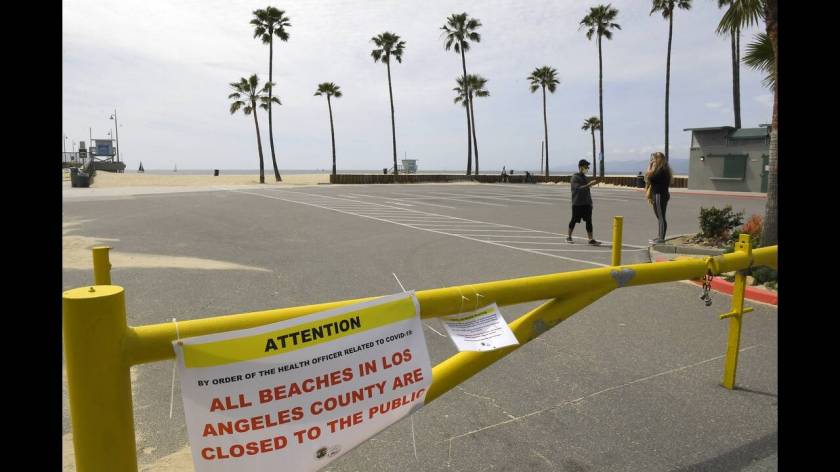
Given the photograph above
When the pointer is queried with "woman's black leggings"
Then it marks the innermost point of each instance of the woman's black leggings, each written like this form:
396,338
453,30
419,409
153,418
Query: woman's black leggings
660,204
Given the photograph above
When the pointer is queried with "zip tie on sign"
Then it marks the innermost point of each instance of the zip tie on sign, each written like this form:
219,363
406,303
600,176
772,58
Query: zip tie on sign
174,366
461,309
476,297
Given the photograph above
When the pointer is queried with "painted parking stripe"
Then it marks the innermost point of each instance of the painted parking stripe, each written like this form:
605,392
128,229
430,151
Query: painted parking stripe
447,198
414,214
391,198
507,198
286,198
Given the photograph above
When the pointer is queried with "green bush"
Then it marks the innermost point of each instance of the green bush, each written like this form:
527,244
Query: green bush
717,223
762,275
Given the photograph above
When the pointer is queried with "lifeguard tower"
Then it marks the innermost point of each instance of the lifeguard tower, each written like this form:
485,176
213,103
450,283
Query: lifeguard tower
409,166
103,155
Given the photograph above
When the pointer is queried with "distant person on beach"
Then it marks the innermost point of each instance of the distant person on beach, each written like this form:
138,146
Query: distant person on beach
582,202
504,174
658,179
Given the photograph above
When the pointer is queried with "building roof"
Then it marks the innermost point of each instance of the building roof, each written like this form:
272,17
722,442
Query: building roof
750,133
712,128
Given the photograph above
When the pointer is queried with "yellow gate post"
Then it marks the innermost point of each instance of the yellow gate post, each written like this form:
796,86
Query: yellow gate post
101,266
618,222
734,341
98,379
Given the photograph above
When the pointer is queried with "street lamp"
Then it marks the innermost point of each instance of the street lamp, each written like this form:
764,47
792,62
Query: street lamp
117,126
64,149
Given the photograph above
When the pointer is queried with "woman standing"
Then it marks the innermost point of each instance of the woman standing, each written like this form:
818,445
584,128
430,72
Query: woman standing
658,179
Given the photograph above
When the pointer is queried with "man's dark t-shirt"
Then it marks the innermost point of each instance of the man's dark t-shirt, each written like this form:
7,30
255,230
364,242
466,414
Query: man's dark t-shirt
580,196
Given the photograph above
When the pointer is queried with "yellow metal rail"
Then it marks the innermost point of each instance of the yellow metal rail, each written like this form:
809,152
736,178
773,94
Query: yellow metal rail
100,347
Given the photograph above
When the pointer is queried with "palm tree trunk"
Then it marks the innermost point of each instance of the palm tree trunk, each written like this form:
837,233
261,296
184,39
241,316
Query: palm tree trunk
259,142
736,82
270,106
332,132
769,234
393,126
601,102
594,166
469,138
668,78
545,126
469,106
475,139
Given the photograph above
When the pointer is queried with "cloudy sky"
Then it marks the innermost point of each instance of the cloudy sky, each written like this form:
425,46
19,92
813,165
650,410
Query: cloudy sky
166,67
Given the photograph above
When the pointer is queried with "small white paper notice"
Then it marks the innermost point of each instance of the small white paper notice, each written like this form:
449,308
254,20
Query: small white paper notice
479,330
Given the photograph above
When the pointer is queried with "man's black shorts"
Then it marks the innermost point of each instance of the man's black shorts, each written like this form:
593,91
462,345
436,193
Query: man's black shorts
581,212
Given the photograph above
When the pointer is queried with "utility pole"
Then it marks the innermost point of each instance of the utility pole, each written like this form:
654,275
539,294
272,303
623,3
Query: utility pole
117,126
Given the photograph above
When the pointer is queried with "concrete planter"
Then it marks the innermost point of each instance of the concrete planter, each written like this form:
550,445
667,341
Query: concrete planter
685,249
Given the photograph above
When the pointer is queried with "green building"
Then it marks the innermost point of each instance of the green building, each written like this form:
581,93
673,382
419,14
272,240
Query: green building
727,158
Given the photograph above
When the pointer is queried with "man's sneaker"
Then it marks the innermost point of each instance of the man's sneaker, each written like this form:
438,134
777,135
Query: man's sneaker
570,240
592,242
656,241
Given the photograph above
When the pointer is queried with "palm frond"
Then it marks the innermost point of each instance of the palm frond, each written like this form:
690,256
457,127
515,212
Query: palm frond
759,56
740,15
458,31
599,21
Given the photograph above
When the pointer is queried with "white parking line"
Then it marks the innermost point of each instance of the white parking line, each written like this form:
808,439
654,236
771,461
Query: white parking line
507,198
449,198
391,198
301,193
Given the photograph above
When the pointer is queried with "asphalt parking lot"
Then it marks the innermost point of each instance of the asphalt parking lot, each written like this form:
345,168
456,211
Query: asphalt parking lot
629,383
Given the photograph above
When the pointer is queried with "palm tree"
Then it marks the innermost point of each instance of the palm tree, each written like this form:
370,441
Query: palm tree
740,14
760,57
474,87
667,9
546,78
389,44
769,234
245,96
599,22
591,124
330,90
458,31
269,23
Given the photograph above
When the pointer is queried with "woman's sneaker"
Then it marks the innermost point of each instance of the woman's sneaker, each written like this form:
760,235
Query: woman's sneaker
570,240
656,241
592,242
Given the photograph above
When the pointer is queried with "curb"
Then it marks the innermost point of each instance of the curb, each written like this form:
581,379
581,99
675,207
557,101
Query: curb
674,249
750,293
723,286
666,248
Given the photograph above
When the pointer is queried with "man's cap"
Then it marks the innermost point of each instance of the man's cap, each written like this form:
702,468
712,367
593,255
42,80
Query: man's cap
583,163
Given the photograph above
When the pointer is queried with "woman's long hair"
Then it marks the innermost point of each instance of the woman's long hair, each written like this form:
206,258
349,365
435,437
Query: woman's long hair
658,164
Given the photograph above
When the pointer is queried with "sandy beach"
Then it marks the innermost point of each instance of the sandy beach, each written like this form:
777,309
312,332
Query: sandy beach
110,180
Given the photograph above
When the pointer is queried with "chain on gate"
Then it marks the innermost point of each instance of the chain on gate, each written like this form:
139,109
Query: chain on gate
706,295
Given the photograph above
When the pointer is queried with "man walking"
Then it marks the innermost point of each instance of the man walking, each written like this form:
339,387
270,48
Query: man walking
582,201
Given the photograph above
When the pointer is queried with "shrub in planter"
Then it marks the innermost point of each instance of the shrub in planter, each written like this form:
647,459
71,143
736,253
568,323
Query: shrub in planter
718,223
763,275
